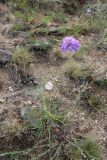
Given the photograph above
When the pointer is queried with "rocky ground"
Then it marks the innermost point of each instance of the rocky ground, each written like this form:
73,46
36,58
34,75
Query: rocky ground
16,101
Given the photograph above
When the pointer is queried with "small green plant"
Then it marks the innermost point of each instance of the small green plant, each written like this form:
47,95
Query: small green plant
59,17
102,83
82,149
42,48
51,17
78,29
12,128
31,38
92,101
43,31
85,49
71,6
22,4
96,24
77,70
91,150
46,19
15,156
21,57
20,15
51,130
97,21
44,45
101,41
18,27
65,31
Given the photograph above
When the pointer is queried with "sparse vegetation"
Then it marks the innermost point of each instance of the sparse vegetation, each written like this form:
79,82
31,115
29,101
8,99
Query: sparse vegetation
50,125
102,83
12,127
18,27
53,84
77,70
21,57
85,49
102,43
71,6
92,101
58,17
85,149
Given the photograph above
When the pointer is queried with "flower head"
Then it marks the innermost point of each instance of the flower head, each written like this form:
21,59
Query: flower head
70,44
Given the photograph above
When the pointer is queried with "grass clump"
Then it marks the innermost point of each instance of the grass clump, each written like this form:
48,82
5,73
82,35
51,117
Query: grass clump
20,67
102,83
21,57
90,149
46,20
57,17
92,101
85,49
22,4
44,31
78,29
18,27
97,24
71,6
101,41
43,45
97,20
28,16
41,48
77,70
83,149
12,127
20,15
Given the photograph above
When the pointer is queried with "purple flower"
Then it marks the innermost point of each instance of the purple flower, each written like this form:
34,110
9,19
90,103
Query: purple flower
70,44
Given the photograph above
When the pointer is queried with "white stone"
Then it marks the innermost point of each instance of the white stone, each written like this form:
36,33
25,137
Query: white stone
88,10
2,100
49,86
10,89
29,102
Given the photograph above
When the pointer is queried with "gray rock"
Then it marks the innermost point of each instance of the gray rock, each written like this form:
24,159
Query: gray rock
5,57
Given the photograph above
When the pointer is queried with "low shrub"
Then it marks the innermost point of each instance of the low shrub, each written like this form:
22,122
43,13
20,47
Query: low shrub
92,101
83,149
77,70
72,6
21,57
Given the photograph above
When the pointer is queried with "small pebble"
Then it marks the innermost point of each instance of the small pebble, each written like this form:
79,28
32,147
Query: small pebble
29,102
10,89
49,86
2,100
